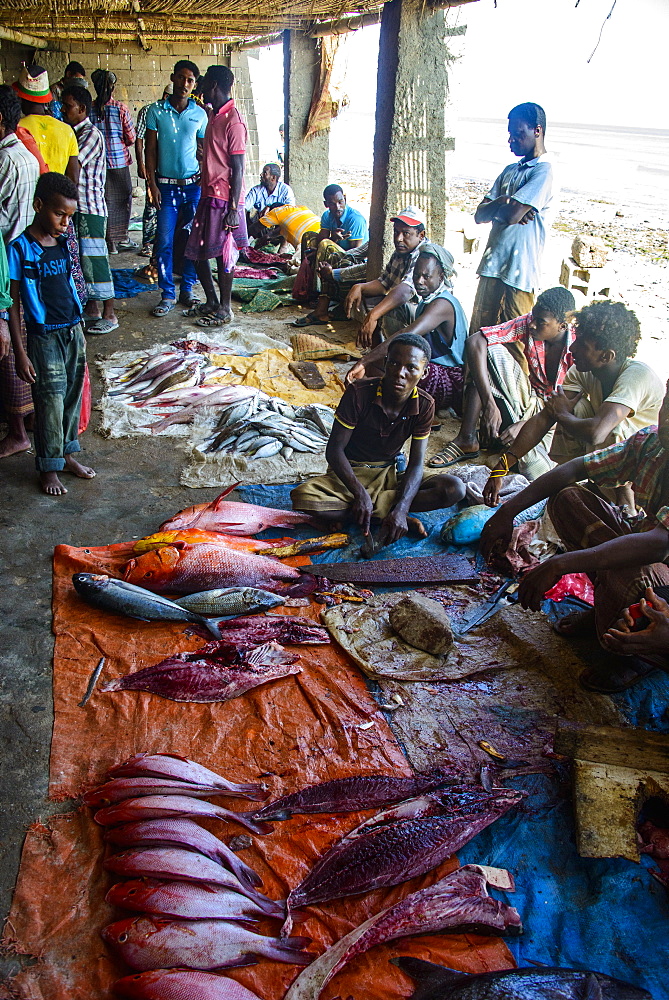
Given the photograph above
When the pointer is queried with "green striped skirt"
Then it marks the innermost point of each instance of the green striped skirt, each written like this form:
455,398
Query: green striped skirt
91,230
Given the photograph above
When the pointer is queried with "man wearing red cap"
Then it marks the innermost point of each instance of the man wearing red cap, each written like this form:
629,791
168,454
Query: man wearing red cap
56,141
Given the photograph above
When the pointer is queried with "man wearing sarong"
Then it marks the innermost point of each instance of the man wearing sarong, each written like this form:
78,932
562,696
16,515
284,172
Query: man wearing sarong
440,320
90,220
515,367
622,560
605,398
343,229
19,172
373,421
388,302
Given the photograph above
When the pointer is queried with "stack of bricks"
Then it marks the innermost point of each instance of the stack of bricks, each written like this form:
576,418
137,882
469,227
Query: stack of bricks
586,271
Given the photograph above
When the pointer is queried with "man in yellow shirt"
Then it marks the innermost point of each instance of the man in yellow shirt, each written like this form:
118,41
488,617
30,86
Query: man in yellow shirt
290,222
56,141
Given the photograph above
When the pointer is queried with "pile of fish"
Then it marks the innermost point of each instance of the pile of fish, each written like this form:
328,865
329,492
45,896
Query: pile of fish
194,897
261,429
249,655
170,377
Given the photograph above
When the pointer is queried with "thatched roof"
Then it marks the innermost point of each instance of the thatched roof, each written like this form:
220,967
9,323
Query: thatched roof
170,20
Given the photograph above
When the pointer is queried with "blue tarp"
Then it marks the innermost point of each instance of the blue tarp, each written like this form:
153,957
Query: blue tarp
126,285
608,915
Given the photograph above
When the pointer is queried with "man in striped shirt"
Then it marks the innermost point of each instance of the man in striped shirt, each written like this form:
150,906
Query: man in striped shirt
90,220
623,560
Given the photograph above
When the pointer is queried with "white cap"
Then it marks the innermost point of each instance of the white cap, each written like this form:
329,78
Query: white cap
410,216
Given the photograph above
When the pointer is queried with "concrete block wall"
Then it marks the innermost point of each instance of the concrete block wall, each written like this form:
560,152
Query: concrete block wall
142,75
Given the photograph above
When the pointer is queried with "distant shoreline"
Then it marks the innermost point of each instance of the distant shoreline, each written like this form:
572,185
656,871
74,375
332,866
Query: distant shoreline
577,125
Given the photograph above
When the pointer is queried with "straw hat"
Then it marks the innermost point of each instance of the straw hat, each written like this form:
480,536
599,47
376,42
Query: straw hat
33,85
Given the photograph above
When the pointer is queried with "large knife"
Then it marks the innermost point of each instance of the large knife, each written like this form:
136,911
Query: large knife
486,610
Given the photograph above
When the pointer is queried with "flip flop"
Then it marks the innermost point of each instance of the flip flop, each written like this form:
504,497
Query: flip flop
125,246
190,303
101,326
197,309
310,320
451,455
207,321
164,307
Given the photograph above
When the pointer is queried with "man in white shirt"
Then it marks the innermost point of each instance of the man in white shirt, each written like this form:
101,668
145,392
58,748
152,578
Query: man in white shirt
270,192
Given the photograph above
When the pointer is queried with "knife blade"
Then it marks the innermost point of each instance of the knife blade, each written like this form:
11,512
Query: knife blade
489,608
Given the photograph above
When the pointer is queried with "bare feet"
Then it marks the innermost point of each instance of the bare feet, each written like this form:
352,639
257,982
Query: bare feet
11,445
576,624
77,469
51,484
416,528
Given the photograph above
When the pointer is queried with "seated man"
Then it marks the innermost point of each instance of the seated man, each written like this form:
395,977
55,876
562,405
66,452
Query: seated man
441,320
342,229
515,367
605,398
270,192
389,300
621,561
374,419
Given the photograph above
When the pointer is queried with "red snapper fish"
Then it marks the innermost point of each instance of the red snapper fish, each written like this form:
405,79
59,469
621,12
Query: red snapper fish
185,569
150,943
181,984
195,535
187,901
234,518
166,806
172,765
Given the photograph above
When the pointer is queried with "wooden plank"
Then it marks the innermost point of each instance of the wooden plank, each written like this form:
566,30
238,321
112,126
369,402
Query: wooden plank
631,748
448,568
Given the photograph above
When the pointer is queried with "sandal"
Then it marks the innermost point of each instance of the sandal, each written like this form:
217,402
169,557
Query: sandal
214,320
190,303
197,309
615,676
101,326
146,251
452,454
127,246
310,320
164,307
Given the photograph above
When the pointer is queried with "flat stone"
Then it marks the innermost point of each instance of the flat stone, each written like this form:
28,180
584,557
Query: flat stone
422,623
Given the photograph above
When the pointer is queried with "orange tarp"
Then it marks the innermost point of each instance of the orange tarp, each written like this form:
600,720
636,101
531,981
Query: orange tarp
291,732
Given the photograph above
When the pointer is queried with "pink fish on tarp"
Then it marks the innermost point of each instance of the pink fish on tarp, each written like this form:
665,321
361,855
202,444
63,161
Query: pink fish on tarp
172,765
234,518
150,943
180,984
457,904
184,568
187,901
130,788
224,674
175,863
181,833
164,806
288,630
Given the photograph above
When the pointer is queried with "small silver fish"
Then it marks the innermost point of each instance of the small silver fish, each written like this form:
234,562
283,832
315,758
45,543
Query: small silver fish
268,450
230,602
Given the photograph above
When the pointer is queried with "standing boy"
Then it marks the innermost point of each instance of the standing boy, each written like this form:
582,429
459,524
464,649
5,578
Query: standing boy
221,208
175,129
517,204
90,220
40,270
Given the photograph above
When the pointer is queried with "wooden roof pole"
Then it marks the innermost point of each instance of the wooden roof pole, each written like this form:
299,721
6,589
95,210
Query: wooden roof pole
31,41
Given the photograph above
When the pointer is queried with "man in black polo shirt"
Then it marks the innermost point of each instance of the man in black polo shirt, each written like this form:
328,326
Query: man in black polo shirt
374,419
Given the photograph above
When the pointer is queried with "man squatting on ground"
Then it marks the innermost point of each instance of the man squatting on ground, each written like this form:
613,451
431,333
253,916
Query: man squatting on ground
517,205
220,209
606,397
373,420
175,129
40,271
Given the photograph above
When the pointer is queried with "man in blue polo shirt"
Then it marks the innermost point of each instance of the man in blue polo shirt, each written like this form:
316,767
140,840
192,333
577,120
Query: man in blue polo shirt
175,129
517,205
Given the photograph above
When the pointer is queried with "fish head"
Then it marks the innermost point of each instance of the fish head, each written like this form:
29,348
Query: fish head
133,929
87,583
141,985
134,893
154,568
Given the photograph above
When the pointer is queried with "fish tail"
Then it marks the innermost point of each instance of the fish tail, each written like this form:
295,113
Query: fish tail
212,625
289,950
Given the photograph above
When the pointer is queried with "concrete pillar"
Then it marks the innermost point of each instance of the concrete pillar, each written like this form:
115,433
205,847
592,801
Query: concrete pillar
307,164
243,95
410,140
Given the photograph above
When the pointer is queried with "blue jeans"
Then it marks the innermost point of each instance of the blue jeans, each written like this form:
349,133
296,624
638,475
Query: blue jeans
59,360
177,203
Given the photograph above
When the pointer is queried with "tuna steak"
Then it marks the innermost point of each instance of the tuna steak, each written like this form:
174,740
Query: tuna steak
186,900
394,852
234,518
181,833
439,983
129,788
350,794
150,943
163,806
181,984
184,866
193,677
457,903
171,765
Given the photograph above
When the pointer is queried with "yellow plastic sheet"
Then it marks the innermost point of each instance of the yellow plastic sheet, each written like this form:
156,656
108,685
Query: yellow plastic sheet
268,371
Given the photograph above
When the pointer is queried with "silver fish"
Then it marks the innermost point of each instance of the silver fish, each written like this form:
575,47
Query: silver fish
260,442
124,598
230,602
267,450
287,452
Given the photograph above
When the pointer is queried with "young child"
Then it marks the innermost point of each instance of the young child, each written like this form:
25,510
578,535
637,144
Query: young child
40,272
